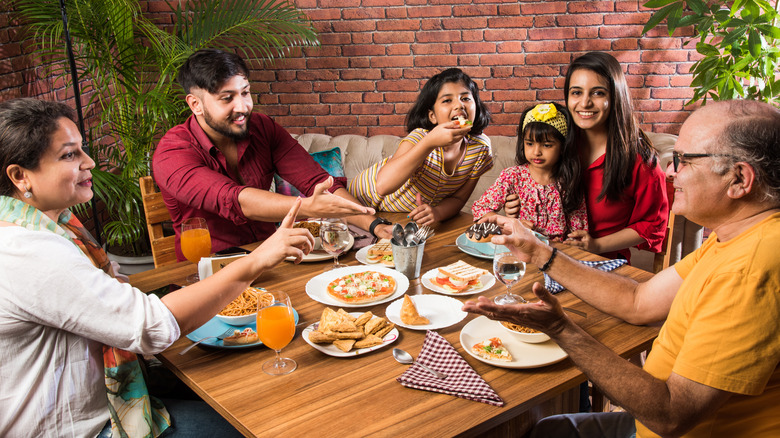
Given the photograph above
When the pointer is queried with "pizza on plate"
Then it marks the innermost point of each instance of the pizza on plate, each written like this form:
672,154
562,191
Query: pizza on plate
362,287
492,349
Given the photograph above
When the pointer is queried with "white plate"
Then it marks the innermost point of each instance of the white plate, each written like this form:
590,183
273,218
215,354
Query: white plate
441,311
316,288
487,282
362,257
320,255
331,350
485,250
524,355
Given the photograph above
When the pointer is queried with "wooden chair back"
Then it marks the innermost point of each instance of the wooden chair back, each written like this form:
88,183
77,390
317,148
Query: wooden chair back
163,247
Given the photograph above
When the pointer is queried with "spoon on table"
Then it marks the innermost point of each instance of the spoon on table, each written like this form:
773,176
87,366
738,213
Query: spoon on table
407,359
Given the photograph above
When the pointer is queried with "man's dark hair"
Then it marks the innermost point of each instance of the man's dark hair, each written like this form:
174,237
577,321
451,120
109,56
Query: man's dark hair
26,128
209,69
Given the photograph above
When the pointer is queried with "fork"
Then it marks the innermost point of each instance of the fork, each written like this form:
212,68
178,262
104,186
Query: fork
227,333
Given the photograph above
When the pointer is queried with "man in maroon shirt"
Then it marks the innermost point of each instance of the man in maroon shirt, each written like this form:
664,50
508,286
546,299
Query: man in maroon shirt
219,164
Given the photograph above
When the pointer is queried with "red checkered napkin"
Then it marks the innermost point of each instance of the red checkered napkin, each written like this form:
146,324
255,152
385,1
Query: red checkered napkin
462,381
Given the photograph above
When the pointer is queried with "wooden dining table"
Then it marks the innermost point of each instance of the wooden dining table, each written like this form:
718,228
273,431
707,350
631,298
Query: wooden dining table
358,395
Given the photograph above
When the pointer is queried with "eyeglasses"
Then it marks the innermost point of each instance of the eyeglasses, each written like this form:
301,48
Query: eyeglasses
677,157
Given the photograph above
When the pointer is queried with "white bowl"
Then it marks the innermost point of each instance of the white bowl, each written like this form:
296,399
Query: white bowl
531,338
238,321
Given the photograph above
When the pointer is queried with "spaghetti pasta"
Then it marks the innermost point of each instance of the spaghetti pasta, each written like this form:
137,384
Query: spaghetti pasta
247,302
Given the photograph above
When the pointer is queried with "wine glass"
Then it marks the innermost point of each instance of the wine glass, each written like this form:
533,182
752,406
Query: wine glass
195,242
508,269
334,234
275,328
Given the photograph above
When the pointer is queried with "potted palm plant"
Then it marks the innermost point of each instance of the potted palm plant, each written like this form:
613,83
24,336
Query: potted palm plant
127,65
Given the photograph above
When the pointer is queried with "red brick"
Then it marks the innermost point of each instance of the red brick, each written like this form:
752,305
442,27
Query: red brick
640,18
547,58
399,49
551,34
363,13
340,120
364,50
398,25
587,32
670,56
654,68
627,5
505,34
647,105
380,3
468,60
317,75
510,47
635,81
327,63
672,105
537,83
580,20
363,38
465,23
590,6
509,9
395,97
501,72
502,59
543,46
620,31
396,13
338,4
305,110
507,84
322,51
539,70
430,49
542,8
393,37
429,11
436,60
368,120
391,61
324,14
373,97
461,48
438,37
680,80
291,87
371,108
339,109
363,62
550,96
545,21
341,97
473,35
474,10
672,93
431,24
586,45
355,86
398,85
354,26
625,44
323,87
510,22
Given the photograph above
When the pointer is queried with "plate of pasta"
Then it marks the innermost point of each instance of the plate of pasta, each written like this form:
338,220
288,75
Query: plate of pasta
243,310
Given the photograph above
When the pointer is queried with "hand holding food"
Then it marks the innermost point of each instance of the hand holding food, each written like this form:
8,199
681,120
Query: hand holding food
482,232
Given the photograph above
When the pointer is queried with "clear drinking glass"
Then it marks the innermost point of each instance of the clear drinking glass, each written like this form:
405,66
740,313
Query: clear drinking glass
195,242
275,328
508,269
334,234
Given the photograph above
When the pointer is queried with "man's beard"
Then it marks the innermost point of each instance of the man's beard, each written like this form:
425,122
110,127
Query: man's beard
225,127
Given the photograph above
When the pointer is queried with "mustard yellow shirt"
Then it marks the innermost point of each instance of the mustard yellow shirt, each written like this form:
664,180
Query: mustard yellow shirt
723,331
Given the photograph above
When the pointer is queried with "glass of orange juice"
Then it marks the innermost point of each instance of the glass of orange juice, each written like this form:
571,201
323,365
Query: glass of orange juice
195,242
276,327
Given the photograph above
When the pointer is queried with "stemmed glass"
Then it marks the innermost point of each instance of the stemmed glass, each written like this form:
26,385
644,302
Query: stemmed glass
334,234
195,242
275,328
508,269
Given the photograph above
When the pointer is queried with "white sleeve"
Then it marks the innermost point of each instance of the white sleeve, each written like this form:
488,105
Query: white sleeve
51,282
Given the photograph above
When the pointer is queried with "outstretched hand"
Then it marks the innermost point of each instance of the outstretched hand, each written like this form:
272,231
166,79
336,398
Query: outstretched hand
286,241
323,203
424,214
545,315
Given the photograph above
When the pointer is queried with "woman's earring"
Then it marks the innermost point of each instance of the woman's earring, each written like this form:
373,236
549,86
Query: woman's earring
27,193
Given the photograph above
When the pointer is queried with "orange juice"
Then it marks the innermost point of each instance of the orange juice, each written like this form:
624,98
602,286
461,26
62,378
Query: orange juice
195,243
275,326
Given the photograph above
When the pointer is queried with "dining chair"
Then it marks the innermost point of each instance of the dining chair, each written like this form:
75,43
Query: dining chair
163,247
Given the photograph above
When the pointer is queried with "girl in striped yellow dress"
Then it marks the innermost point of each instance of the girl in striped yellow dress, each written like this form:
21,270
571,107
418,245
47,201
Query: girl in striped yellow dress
436,166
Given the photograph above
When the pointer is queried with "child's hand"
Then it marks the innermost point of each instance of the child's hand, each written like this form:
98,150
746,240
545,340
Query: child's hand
445,134
512,205
582,239
423,214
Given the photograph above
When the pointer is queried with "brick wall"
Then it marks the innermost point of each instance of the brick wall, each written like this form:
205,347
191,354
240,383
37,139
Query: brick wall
376,55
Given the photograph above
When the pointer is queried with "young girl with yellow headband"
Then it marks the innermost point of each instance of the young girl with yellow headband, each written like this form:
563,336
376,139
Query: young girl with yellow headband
546,179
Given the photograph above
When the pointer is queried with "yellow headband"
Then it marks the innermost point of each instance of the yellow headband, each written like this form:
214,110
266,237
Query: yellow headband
547,113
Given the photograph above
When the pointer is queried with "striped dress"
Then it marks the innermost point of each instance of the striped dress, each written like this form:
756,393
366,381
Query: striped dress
430,180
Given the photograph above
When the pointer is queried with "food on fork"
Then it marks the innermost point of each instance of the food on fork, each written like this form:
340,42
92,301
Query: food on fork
381,252
492,349
347,332
482,232
459,277
464,122
241,337
361,287
409,313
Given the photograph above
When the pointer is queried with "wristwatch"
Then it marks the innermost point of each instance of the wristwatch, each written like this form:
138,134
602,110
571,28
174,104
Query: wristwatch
377,221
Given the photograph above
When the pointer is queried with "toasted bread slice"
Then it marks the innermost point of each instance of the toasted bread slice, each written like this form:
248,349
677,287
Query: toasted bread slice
462,271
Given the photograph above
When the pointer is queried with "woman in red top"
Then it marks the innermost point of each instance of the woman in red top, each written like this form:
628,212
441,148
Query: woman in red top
625,186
